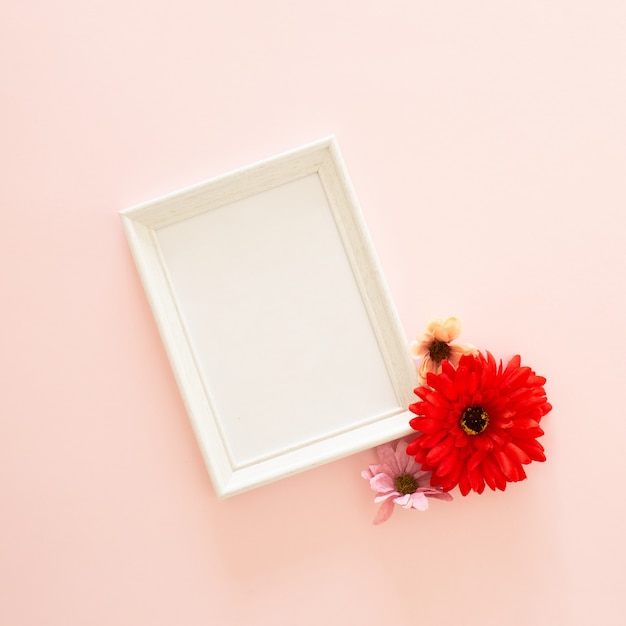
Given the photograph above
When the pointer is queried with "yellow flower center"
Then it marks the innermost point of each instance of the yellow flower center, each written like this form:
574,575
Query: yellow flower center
405,484
439,351
474,420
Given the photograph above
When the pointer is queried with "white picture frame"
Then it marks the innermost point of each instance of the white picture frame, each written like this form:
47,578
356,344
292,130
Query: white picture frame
275,316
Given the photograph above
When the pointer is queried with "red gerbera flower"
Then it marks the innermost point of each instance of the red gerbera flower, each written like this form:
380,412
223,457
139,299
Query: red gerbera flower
479,423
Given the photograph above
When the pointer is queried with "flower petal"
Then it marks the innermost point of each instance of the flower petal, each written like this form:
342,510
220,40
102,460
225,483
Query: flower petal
382,483
483,443
440,451
516,453
387,456
426,426
476,459
532,448
448,331
403,499
367,474
388,495
419,501
507,465
428,366
457,350
384,512
450,465
438,495
418,349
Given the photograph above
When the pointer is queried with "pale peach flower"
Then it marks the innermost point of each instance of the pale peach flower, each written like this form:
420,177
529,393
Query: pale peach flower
435,345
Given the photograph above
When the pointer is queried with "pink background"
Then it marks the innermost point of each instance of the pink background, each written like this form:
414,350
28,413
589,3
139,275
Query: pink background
486,141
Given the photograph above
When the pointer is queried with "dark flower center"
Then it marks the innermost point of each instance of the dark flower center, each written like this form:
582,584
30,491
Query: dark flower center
474,420
439,351
405,484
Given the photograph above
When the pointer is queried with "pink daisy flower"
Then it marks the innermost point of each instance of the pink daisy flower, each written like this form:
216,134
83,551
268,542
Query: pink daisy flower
434,346
398,479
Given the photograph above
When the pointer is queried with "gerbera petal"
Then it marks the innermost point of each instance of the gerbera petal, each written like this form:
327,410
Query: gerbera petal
426,426
514,363
483,443
441,450
476,459
476,480
461,380
546,408
422,392
461,440
507,465
437,404
464,485
525,423
533,448
516,453
473,382
490,469
444,384
488,475
450,465
413,446
428,441
491,364
534,401
421,409
515,379
448,369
